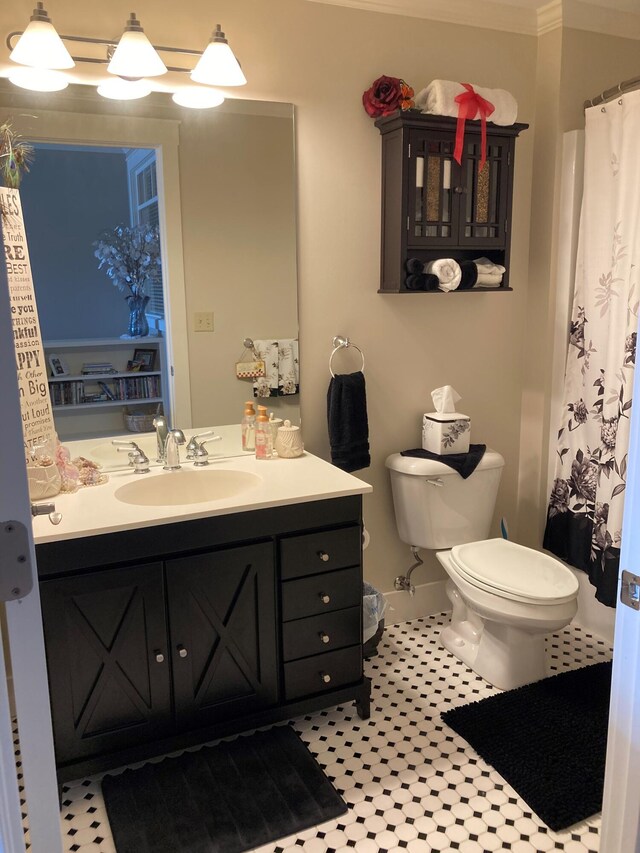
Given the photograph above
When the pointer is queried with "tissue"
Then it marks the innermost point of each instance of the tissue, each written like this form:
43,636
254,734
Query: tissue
445,431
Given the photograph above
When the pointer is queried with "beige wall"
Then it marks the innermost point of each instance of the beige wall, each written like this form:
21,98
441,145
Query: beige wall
321,58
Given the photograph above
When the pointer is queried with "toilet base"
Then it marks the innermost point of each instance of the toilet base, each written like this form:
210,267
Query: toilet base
504,655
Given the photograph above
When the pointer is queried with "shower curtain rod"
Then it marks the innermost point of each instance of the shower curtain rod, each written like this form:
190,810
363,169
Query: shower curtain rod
610,94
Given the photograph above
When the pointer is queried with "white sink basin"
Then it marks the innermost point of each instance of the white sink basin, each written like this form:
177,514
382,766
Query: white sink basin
186,486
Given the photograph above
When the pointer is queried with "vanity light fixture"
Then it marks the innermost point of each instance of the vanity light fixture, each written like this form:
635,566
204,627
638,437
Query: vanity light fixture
40,46
132,59
135,56
38,79
197,97
124,90
218,65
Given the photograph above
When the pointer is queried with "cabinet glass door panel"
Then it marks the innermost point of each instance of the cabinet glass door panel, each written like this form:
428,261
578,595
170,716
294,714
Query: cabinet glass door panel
431,182
485,194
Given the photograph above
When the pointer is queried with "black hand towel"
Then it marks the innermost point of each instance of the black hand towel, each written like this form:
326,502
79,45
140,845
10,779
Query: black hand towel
347,420
464,463
421,281
414,266
469,275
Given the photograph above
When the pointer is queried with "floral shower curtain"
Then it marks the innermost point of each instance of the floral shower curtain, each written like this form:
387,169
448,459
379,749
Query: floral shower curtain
584,521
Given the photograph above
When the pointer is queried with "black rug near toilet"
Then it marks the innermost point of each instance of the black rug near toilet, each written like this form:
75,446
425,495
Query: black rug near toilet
222,799
548,740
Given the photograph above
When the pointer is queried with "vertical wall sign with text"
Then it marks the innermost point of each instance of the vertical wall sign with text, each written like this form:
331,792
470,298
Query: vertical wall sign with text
35,403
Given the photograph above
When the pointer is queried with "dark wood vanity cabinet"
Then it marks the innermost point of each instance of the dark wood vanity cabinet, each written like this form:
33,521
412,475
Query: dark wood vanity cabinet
164,637
433,207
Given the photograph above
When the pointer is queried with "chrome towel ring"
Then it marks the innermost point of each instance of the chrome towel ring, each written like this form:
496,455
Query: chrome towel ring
340,342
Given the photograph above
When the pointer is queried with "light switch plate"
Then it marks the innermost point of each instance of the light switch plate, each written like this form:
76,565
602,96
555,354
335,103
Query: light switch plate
203,321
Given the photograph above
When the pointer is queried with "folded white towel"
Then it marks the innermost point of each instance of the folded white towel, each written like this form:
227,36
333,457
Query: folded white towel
439,96
486,266
448,272
489,279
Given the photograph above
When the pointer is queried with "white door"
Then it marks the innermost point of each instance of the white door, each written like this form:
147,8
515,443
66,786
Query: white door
26,642
621,809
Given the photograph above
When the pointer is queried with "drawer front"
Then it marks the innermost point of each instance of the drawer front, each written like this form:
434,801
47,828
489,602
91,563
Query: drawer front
323,633
321,593
322,672
320,552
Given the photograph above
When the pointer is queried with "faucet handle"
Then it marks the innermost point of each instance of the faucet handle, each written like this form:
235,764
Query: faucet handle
194,443
129,447
201,454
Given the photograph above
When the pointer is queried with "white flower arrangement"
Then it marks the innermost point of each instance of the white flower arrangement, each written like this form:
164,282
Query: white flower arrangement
130,254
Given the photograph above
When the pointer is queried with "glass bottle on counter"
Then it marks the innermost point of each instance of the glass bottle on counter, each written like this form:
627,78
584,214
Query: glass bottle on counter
264,438
249,427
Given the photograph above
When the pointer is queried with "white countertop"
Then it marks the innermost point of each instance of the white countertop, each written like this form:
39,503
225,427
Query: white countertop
95,510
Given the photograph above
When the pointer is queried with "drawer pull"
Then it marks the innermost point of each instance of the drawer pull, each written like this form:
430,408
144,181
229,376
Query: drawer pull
324,637
323,556
182,651
159,656
324,598
325,677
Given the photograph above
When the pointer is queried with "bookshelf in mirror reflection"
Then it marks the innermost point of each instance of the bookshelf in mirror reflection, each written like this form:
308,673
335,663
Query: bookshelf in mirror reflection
103,373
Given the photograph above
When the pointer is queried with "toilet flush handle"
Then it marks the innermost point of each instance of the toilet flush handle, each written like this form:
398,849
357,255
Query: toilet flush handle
438,483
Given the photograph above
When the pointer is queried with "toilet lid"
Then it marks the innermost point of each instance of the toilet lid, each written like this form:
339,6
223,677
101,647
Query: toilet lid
516,572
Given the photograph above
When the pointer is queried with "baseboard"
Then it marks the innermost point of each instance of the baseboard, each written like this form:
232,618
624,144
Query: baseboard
429,598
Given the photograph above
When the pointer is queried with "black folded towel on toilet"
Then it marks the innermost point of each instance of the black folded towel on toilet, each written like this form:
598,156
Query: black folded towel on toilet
464,463
414,266
469,275
347,421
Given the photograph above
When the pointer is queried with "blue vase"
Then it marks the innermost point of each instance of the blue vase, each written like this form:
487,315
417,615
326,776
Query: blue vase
138,323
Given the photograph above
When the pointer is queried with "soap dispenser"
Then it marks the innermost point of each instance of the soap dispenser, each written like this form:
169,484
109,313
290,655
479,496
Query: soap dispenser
264,439
249,427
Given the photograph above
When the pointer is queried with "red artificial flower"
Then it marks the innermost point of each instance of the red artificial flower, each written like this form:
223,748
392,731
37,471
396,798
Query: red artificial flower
386,95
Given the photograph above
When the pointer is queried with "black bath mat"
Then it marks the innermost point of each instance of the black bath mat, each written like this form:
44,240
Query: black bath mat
222,799
548,740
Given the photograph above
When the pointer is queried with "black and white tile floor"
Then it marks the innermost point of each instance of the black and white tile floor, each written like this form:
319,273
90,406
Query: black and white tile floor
411,783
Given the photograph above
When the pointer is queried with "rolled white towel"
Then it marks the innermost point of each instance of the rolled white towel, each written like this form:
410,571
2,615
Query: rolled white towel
486,266
448,272
439,97
489,279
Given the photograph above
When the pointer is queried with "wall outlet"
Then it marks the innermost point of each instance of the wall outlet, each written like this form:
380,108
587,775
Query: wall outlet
203,321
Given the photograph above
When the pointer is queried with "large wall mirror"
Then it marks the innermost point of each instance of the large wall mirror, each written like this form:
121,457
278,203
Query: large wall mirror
224,181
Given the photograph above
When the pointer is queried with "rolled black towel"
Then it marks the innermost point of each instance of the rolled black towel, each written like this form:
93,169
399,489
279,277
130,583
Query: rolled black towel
431,281
414,266
469,275
416,281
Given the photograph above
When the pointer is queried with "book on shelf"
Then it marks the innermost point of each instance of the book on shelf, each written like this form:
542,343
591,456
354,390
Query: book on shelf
105,388
96,367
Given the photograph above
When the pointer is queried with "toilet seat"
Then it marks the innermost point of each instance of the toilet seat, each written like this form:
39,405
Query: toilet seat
515,572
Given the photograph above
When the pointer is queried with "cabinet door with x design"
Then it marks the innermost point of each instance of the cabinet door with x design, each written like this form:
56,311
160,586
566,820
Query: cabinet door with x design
106,645
223,633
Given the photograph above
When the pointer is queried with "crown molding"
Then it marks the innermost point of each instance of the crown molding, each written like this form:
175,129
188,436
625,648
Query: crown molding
486,15
515,17
550,17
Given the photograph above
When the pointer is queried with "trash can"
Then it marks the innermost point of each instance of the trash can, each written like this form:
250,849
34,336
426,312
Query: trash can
374,605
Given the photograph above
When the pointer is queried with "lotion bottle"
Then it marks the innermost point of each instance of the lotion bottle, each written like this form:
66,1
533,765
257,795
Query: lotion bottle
264,438
249,427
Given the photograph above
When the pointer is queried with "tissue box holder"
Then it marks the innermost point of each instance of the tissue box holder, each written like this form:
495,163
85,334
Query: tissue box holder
444,433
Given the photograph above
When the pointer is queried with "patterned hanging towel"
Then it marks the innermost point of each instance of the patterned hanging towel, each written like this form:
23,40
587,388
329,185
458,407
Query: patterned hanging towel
282,376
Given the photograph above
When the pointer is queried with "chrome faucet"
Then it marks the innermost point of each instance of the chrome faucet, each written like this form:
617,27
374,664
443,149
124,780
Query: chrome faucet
175,437
201,454
195,442
137,457
162,430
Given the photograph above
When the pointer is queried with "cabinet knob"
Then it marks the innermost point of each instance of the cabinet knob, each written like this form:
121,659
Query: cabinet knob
323,556
324,598
182,651
324,637
325,677
159,656
458,190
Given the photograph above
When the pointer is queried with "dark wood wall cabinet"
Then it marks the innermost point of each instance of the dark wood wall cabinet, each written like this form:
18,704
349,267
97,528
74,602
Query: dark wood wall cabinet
160,638
433,207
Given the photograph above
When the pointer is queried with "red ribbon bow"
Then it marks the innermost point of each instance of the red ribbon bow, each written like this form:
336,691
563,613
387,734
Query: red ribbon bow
470,103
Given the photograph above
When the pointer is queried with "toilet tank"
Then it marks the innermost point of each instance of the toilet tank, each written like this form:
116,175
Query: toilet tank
435,507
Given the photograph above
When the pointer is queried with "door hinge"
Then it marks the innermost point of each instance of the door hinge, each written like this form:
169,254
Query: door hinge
409,152
16,579
408,225
630,590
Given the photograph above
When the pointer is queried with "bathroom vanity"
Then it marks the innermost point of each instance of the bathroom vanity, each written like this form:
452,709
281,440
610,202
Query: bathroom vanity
169,625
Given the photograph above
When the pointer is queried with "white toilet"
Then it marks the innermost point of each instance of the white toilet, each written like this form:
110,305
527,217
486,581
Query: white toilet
505,597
